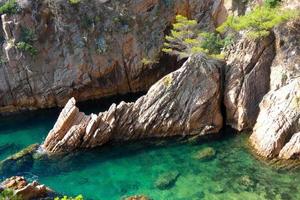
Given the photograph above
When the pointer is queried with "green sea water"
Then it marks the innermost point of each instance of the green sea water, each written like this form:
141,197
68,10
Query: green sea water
117,170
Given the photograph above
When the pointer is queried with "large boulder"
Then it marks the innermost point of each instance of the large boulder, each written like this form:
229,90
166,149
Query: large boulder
278,120
247,80
26,190
276,130
185,102
88,50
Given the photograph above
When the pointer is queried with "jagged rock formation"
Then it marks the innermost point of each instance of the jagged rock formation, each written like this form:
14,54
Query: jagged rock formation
185,102
247,80
26,190
276,130
87,54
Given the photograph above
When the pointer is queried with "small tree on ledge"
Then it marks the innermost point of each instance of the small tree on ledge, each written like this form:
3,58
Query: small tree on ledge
186,39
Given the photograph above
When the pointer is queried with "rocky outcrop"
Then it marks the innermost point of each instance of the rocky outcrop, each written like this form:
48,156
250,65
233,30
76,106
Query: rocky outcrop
278,119
247,80
88,50
276,130
26,190
185,102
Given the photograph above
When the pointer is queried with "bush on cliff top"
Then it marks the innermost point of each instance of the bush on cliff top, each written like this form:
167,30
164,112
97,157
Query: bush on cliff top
257,23
272,3
9,7
186,39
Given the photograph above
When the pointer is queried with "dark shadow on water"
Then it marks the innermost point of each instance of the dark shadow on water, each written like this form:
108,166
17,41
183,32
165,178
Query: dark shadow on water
47,117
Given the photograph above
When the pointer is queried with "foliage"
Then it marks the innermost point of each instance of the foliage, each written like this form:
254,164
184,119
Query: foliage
257,23
27,39
27,35
272,3
148,61
79,197
9,7
9,195
23,46
212,42
74,2
187,39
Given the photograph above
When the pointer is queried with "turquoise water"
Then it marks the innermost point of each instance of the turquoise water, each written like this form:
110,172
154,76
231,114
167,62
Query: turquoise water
118,170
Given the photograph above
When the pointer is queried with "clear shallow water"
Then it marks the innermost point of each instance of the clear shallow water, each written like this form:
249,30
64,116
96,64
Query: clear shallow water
114,171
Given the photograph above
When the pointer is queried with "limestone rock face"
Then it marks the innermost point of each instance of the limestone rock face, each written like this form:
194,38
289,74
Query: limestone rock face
278,120
292,148
247,79
276,130
87,50
26,190
185,102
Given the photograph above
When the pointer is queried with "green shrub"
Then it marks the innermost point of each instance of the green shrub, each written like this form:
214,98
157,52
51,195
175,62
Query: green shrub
272,3
9,195
258,22
9,7
187,39
149,61
28,48
79,197
27,35
74,2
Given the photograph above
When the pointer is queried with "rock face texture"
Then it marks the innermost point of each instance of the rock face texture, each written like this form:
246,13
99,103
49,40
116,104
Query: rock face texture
185,102
27,191
88,50
276,130
247,80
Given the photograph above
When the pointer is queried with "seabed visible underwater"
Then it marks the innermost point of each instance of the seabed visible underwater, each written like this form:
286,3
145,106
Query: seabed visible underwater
119,170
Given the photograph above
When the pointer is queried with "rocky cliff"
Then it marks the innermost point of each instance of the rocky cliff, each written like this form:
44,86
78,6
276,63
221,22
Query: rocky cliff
87,50
185,102
278,123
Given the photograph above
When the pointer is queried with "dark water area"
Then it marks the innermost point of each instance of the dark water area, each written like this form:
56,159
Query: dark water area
117,170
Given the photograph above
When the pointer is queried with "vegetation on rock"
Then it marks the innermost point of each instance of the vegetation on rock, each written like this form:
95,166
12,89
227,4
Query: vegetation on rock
74,2
9,7
258,22
272,3
9,195
187,39
79,197
26,41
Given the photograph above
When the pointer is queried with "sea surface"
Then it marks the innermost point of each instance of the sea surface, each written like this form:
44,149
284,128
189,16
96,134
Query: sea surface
118,170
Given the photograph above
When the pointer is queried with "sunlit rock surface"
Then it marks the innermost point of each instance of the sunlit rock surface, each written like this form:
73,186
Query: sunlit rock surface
26,190
185,102
247,80
88,50
276,130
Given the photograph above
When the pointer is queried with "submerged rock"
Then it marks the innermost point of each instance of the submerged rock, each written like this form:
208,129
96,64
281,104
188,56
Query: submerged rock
276,130
205,154
167,180
25,190
185,102
19,161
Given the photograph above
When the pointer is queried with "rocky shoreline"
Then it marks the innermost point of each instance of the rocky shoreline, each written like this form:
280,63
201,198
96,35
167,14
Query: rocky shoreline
256,89
251,79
